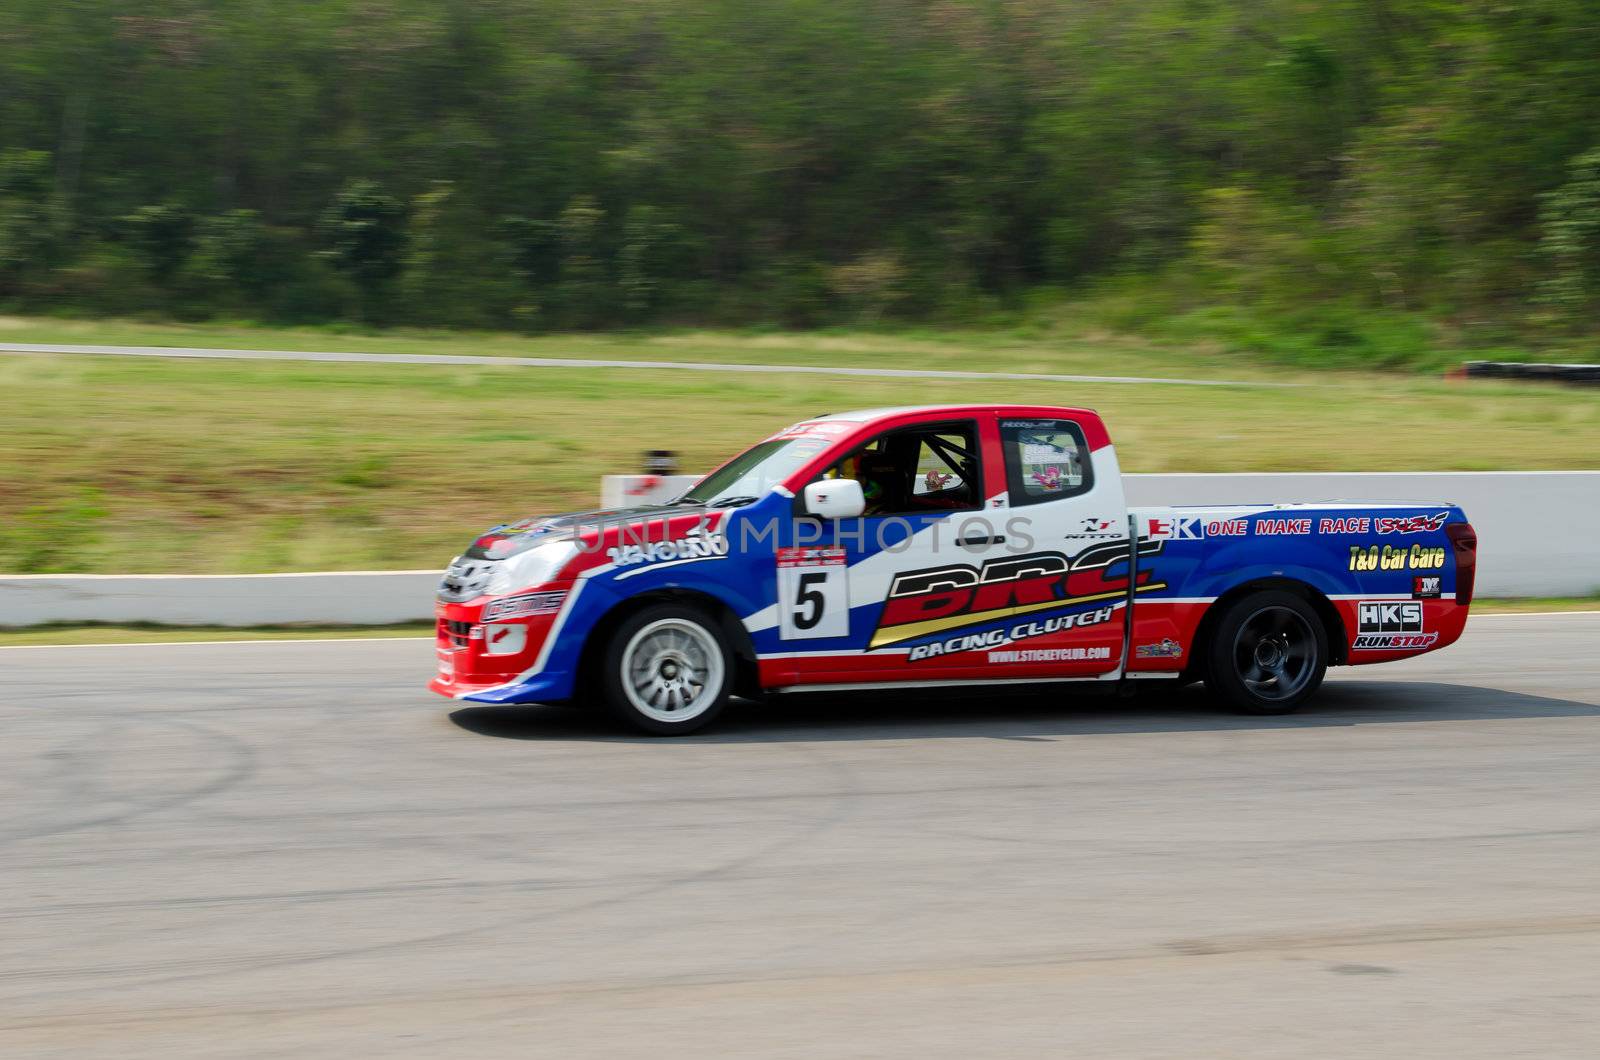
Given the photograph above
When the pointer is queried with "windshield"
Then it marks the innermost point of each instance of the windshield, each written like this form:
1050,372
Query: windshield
748,476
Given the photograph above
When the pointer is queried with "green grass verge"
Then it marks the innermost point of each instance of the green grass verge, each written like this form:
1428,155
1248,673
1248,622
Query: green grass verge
121,465
1054,348
1527,604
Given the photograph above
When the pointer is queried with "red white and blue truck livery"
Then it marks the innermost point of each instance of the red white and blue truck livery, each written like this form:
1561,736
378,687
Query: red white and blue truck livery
941,545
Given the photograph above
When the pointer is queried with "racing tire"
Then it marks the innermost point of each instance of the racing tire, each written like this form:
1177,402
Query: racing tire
667,670
1268,654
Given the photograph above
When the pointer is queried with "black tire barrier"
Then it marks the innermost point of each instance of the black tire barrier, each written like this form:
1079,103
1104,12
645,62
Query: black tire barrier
1571,374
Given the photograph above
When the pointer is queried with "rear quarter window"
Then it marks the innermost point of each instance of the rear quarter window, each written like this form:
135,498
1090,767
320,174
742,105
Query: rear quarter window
1046,460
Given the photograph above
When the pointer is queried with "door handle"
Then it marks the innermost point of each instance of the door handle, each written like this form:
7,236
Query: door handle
998,539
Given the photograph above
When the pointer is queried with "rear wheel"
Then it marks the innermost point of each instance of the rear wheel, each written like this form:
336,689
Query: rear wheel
667,670
1268,654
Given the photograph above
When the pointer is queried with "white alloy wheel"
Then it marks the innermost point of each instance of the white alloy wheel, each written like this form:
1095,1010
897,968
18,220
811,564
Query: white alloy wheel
672,670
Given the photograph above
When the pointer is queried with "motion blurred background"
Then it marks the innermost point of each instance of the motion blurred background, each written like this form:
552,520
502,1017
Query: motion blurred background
1365,181
1272,190
1319,209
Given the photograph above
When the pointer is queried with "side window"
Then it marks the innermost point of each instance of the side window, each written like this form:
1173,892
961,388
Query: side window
1046,460
916,470
944,465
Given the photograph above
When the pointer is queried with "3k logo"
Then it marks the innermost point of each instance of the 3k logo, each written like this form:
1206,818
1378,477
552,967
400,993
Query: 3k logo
1175,528
1188,528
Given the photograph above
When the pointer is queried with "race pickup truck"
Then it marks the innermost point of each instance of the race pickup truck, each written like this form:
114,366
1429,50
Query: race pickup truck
944,545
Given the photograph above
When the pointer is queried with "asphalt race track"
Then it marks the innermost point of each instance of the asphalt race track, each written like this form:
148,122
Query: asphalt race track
290,850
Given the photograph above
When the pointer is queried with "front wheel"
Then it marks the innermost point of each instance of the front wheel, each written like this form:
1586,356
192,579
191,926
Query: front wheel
1268,654
667,670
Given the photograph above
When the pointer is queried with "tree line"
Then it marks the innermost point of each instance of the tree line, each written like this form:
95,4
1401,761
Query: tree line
580,164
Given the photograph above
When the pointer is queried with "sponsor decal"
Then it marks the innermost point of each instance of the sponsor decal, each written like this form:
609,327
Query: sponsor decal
820,556
547,603
927,602
1038,655
1273,527
1227,528
1049,478
1167,649
1394,641
1396,557
832,429
1355,524
1410,524
696,544
1096,525
1021,631
1388,625
502,541
1427,587
1389,616
509,639
1175,527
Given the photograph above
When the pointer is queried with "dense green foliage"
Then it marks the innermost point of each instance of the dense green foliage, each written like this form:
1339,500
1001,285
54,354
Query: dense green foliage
1335,171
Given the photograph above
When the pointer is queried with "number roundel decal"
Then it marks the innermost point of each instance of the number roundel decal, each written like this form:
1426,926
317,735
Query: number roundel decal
813,597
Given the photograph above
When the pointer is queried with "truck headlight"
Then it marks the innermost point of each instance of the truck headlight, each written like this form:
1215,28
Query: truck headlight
536,566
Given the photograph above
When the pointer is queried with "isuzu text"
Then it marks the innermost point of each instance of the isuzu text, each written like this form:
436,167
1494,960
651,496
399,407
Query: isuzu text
943,545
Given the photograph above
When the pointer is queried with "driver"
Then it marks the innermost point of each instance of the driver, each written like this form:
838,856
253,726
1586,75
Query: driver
884,486
880,483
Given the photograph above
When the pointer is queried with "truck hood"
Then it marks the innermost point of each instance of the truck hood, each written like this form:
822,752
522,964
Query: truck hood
509,539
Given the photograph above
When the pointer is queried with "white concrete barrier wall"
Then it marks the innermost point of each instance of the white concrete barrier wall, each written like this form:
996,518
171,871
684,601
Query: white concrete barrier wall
1536,529
337,599
627,491
1536,534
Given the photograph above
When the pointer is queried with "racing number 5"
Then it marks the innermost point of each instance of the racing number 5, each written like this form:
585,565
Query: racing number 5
813,600
809,596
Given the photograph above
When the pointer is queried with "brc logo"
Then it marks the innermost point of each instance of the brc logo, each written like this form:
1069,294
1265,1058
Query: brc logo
925,602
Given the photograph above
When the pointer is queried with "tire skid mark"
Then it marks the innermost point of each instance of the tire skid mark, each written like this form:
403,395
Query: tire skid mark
211,968
241,764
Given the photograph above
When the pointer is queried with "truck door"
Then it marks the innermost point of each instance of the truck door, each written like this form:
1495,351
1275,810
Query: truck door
1066,574
848,607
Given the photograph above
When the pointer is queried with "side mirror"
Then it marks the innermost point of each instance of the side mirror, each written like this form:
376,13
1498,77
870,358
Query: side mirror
835,498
